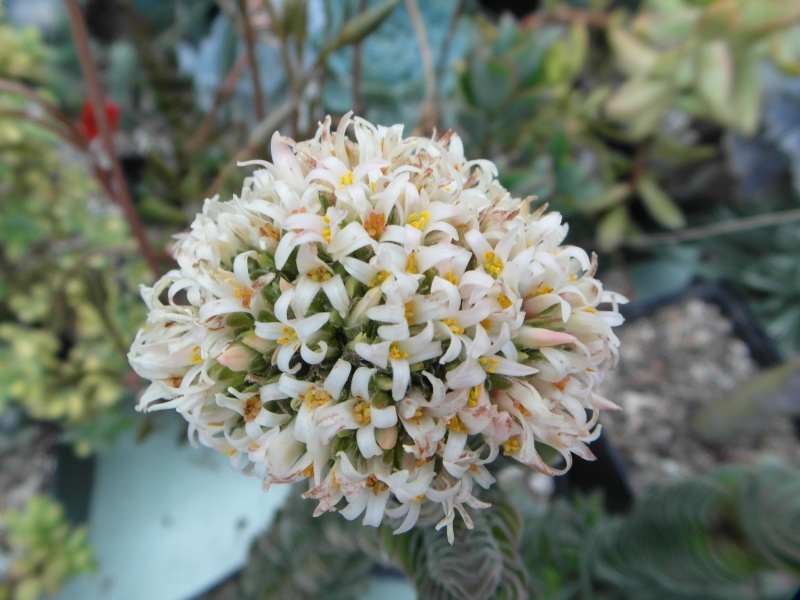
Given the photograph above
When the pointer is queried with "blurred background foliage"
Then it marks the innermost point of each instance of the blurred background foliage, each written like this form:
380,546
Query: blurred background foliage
666,131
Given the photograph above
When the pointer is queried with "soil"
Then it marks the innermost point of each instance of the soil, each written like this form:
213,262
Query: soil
672,363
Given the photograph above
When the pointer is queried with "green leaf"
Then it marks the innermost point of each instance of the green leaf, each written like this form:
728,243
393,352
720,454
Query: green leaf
635,97
363,24
634,56
715,78
658,205
612,227
610,197
491,82
747,95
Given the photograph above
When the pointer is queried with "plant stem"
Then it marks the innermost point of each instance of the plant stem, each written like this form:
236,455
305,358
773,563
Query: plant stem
121,193
358,97
295,87
224,92
429,115
448,38
6,85
249,37
731,226
595,20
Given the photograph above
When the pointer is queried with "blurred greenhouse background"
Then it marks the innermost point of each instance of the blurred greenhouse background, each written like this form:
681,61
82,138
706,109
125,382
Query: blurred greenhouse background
667,132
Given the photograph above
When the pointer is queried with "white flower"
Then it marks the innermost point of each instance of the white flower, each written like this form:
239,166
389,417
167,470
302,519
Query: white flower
379,317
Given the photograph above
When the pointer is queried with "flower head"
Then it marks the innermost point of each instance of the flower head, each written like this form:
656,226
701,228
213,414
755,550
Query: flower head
380,318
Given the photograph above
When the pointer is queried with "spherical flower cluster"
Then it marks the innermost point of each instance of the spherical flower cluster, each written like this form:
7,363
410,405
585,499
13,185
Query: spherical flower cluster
380,317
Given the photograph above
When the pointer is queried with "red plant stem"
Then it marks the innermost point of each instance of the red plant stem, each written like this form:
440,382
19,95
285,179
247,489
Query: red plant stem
358,97
249,37
121,194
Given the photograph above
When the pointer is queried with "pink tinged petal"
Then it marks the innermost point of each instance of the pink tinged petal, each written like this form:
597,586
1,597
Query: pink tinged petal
284,160
360,384
534,337
305,328
237,358
377,354
439,389
366,442
456,440
337,294
337,378
401,376
383,417
221,307
466,375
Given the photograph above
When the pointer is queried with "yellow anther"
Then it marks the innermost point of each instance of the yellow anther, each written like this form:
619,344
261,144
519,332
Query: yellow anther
419,498
315,397
524,411
590,310
345,180
251,409
379,278
453,325
451,277
372,186
417,416
504,301
308,471
362,413
196,355
454,424
411,264
396,353
419,223
474,394
488,363
268,230
246,294
326,234
474,469
486,323
326,218
542,290
562,383
320,274
410,312
512,445
493,265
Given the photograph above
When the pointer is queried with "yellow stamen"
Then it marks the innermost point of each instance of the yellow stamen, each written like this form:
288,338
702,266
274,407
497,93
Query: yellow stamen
474,393
493,265
563,383
308,471
542,290
246,294
573,277
504,301
590,310
289,335
268,230
396,353
315,397
417,416
512,445
454,424
453,325
419,223
362,413
320,274
524,411
372,186
379,278
411,264
449,276
410,312
326,234
419,498
345,180
196,355
486,323
488,363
